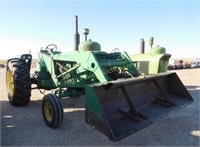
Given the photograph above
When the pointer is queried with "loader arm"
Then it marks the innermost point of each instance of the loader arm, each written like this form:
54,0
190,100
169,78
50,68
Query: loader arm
100,65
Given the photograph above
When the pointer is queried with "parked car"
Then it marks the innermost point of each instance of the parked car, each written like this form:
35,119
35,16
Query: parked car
195,65
186,65
179,66
171,66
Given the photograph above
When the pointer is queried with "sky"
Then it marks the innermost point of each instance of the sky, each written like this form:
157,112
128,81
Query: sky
29,25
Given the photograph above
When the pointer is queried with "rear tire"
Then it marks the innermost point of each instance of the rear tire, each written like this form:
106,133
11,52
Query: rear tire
18,82
52,110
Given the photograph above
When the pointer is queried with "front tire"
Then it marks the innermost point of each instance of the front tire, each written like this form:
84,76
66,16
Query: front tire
52,110
18,82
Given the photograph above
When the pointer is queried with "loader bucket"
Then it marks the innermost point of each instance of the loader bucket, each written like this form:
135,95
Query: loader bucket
120,108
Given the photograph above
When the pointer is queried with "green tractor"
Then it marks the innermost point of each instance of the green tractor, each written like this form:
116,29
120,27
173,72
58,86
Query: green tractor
154,62
119,99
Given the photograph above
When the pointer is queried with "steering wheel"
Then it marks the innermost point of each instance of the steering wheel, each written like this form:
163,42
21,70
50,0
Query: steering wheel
51,47
115,50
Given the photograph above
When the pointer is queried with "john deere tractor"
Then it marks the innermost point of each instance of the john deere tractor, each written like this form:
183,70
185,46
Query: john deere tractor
119,99
154,62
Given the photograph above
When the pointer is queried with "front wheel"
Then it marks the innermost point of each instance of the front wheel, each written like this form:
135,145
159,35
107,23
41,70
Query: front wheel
52,110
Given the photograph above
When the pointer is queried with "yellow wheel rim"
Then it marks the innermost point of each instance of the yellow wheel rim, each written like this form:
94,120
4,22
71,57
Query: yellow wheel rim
48,111
10,84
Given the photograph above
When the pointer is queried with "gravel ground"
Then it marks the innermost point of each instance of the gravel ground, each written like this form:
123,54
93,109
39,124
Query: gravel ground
24,126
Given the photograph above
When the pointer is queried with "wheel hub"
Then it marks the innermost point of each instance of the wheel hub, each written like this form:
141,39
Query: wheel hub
10,84
48,111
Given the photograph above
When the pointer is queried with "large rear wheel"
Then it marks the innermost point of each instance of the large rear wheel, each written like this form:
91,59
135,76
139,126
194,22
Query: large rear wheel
18,82
52,110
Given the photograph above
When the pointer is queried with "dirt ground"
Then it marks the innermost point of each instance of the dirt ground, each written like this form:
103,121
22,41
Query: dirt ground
24,126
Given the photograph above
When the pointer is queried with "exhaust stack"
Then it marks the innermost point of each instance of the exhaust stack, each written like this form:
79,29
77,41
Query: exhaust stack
76,36
142,46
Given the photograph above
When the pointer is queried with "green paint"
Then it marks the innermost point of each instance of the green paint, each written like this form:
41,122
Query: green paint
156,61
77,69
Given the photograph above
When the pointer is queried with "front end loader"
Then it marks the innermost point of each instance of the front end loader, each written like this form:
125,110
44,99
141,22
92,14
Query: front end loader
119,99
